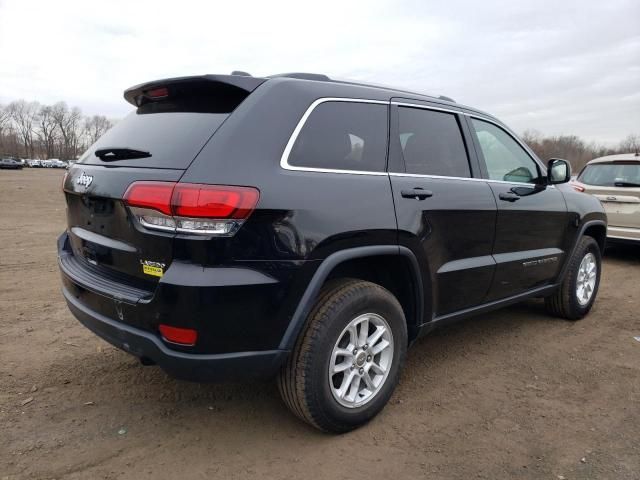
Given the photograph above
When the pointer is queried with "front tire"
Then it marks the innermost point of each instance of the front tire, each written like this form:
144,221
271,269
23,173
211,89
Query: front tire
347,362
579,289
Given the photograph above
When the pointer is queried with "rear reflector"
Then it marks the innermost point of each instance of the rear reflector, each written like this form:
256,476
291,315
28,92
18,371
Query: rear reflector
190,207
181,336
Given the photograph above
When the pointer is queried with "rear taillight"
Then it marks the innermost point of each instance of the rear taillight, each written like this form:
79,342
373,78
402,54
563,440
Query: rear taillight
191,208
577,187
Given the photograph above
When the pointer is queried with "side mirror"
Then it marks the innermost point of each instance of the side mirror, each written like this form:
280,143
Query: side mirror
558,171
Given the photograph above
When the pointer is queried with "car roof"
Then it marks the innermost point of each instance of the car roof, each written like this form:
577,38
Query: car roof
246,82
373,88
625,157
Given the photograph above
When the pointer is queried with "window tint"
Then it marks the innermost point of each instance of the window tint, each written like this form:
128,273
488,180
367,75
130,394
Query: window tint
173,139
506,160
343,136
432,143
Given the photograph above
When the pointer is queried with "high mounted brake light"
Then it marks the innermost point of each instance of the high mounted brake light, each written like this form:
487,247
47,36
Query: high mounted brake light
157,93
191,208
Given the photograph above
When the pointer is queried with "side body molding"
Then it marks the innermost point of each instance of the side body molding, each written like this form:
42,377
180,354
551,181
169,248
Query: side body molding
313,289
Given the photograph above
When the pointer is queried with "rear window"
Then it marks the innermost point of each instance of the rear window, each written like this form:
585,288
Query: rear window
343,136
172,127
611,175
173,139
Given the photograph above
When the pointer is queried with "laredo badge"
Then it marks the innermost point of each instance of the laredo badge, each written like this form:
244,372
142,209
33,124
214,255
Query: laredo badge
155,269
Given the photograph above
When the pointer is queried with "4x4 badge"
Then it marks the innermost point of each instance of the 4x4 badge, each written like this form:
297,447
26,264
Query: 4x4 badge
84,179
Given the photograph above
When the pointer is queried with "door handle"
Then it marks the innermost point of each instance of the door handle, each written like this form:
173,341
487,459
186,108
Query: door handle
416,193
508,197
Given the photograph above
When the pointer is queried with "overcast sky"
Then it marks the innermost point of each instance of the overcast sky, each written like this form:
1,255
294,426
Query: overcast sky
560,67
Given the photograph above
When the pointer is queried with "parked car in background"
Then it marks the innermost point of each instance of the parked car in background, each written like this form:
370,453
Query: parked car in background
56,163
34,163
10,164
615,181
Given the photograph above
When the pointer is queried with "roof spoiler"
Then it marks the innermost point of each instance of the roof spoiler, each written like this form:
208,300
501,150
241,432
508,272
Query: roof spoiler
137,95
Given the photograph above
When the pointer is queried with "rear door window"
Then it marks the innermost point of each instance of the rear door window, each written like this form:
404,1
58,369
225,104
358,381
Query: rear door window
432,143
343,136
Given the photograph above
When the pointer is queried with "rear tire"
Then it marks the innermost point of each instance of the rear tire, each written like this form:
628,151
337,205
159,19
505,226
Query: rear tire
579,289
330,380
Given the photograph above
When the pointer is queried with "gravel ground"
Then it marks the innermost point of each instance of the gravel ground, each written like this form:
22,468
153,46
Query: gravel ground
510,394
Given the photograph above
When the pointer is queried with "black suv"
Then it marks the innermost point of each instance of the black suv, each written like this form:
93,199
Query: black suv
310,229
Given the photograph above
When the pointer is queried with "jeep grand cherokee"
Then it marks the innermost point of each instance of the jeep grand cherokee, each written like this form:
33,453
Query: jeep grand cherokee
309,229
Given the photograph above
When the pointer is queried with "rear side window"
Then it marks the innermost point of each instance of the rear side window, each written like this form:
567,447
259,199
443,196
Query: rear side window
343,136
611,175
432,143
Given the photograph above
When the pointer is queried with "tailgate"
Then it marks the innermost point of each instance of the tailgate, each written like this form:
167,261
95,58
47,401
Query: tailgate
101,230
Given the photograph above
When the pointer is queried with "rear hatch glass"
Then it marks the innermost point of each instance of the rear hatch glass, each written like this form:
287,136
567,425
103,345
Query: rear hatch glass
172,139
611,175
173,120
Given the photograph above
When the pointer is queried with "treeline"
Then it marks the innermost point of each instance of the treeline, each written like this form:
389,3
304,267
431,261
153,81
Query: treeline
36,131
575,149
33,130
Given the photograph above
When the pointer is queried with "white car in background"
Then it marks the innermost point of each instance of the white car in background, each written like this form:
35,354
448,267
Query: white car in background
615,181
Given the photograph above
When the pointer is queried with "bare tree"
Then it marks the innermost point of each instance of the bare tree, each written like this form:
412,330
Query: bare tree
5,118
69,126
47,130
631,144
574,149
24,116
95,127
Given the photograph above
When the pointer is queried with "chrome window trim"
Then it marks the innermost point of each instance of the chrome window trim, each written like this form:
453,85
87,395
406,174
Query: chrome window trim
472,179
284,159
426,107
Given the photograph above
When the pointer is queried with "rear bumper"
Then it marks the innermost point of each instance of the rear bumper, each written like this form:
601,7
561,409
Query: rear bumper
194,367
233,310
623,234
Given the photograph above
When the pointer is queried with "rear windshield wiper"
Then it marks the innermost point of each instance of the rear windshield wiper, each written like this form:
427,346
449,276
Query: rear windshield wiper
120,153
626,184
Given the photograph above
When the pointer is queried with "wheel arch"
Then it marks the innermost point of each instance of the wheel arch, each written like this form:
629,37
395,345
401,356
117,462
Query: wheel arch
596,229
376,263
599,233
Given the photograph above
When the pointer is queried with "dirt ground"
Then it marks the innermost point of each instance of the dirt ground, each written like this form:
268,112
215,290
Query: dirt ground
511,394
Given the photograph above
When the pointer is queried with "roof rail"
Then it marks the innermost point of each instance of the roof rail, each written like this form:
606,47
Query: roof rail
303,76
448,99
